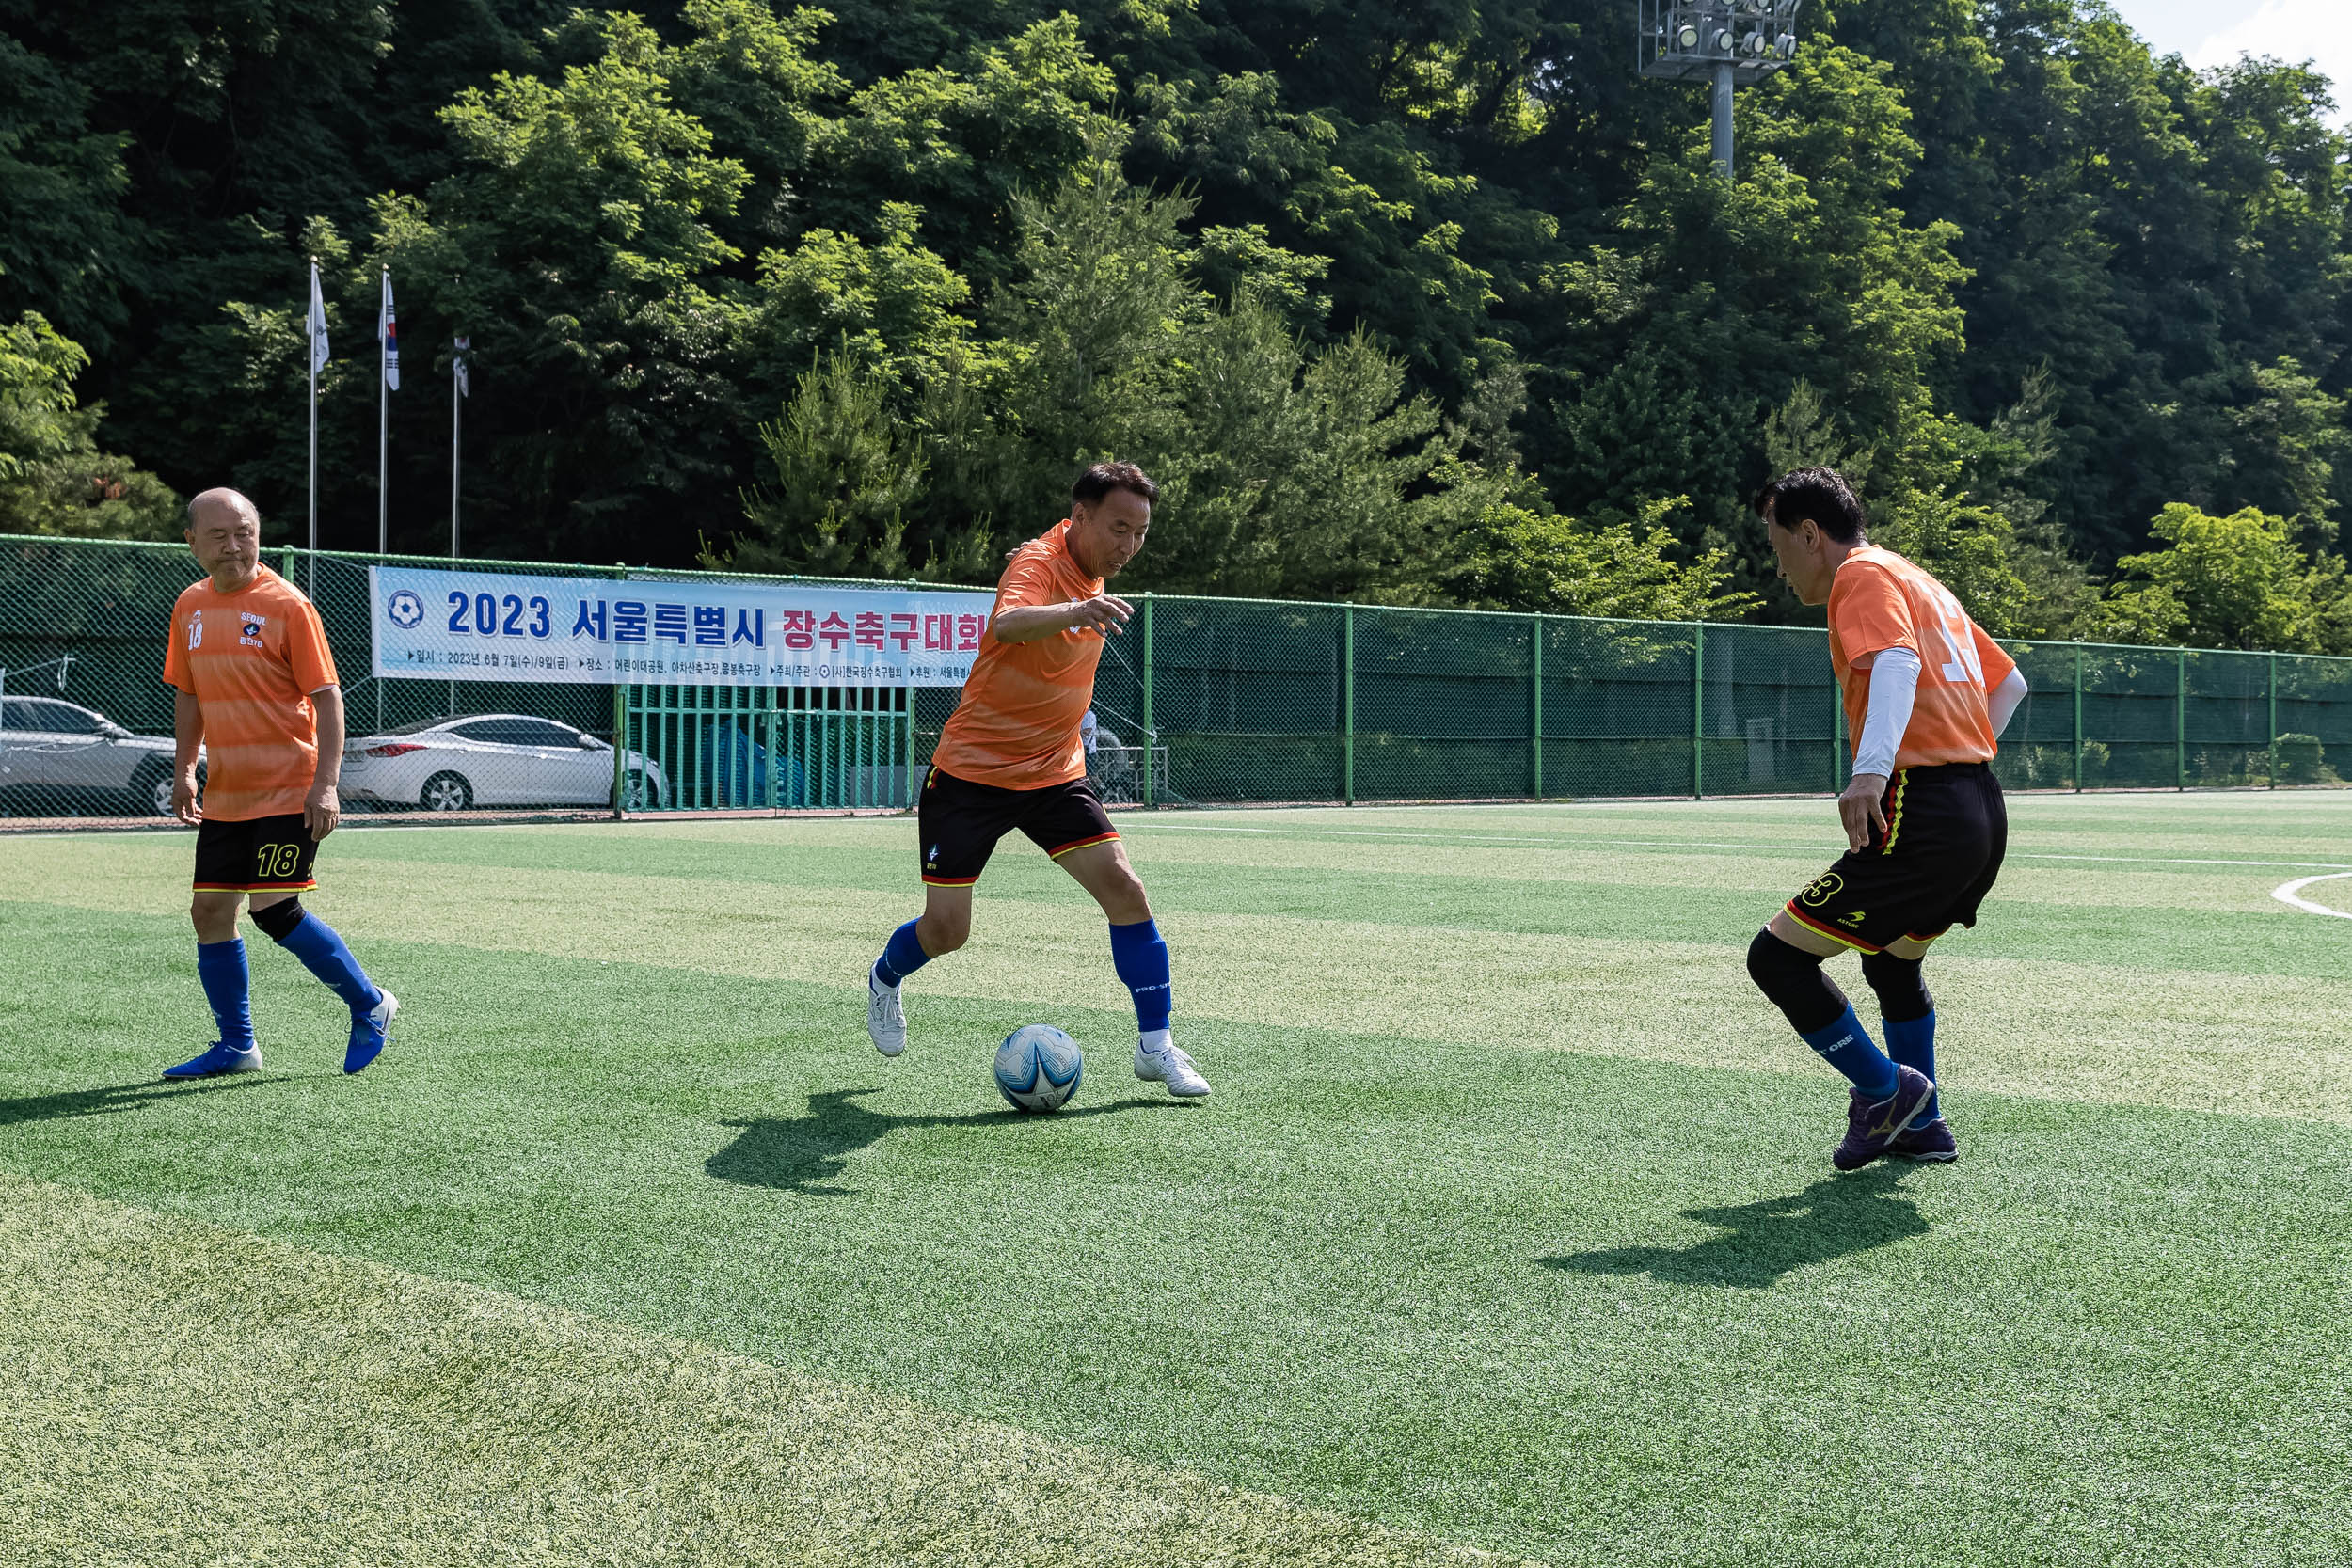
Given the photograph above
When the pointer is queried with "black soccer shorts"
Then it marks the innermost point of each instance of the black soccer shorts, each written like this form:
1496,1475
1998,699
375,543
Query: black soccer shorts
962,821
1946,830
269,854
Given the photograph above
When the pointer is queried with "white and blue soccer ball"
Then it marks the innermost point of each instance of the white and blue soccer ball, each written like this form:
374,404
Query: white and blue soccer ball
1038,1067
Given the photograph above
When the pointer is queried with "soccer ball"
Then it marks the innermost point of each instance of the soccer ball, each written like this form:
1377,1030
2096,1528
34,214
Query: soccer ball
1038,1067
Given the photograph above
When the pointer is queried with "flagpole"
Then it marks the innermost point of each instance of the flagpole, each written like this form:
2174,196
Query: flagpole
459,343
456,401
310,355
382,429
387,367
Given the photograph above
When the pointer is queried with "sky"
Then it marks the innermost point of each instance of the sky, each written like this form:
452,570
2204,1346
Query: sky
2214,32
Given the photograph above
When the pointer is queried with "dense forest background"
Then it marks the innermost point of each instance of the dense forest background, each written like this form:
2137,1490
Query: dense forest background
1426,302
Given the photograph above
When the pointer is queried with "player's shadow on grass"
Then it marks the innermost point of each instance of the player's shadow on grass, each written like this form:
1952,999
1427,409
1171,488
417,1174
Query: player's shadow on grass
805,1153
1836,1218
110,1100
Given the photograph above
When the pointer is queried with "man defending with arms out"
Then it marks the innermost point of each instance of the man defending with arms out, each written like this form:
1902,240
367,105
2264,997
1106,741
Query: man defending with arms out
1011,756
253,684
1927,697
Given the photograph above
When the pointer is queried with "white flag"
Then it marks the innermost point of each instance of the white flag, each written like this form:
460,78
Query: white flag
318,322
388,333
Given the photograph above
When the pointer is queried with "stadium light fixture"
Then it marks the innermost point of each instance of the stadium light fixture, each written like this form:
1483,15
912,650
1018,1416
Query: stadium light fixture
1724,43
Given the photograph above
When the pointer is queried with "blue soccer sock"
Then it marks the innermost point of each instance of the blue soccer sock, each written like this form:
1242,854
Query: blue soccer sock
1907,1013
1911,1042
901,957
229,989
1846,1046
322,953
1141,958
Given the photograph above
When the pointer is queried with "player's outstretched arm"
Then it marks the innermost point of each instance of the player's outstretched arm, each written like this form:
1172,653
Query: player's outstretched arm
1104,612
323,810
187,738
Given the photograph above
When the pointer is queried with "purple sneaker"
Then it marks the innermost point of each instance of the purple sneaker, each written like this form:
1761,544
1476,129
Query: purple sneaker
1873,1125
1928,1141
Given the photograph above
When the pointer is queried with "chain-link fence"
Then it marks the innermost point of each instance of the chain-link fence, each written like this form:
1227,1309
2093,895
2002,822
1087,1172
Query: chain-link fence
1201,701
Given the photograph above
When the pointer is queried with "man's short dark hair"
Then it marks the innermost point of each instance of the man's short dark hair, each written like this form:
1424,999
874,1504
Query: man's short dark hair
1821,494
1103,478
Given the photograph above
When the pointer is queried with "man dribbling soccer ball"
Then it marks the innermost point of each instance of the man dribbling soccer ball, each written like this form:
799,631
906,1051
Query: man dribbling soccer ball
1012,756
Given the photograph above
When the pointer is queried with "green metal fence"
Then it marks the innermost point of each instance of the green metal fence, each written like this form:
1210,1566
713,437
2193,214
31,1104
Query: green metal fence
1230,701
775,748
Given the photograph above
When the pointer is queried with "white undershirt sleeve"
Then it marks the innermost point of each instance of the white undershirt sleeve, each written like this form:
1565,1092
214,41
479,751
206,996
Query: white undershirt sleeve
1894,686
2005,701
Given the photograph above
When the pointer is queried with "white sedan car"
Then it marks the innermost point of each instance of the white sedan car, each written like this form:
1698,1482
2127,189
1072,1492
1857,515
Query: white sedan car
496,759
55,755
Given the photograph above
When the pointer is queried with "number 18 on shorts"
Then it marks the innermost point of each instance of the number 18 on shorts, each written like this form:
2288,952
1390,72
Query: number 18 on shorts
269,854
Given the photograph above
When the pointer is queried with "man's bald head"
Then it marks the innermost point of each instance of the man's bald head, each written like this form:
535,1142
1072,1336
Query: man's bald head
236,501
225,531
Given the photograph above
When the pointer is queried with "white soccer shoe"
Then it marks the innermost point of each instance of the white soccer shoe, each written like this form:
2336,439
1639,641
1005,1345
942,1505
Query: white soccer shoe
885,1020
1171,1066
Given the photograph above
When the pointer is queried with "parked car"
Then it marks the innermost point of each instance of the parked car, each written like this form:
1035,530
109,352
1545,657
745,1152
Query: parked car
61,754
496,759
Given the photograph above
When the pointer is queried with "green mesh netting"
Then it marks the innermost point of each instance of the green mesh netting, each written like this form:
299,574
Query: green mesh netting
1208,701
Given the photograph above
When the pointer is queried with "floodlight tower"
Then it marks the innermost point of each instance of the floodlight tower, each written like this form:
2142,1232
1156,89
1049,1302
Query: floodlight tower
1726,42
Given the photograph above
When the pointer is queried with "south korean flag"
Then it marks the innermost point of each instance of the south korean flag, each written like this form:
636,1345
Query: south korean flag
388,333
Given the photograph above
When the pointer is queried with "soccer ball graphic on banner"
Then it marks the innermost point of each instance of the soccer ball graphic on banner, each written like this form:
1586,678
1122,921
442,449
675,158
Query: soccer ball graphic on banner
1038,1067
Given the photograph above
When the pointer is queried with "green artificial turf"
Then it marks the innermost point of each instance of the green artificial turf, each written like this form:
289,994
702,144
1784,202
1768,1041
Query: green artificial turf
188,1394
1479,1237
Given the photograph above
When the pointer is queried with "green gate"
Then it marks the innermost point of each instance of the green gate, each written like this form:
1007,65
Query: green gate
717,748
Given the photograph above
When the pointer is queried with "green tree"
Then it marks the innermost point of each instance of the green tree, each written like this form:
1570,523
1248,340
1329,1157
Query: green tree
53,477
2284,432
760,81
38,366
1285,469
651,225
892,304
1288,471
1385,209
1628,568
846,476
232,127
65,245
2239,581
578,242
1293,476
963,140
2147,233
1717,303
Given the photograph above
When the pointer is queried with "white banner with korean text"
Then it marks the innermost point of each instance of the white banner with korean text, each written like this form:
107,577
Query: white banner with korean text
601,631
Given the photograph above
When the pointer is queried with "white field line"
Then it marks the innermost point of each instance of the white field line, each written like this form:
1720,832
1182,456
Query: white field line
1560,842
2285,892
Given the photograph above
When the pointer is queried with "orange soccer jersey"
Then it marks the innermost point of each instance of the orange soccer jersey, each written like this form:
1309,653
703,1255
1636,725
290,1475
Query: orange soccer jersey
1878,601
251,660
1017,726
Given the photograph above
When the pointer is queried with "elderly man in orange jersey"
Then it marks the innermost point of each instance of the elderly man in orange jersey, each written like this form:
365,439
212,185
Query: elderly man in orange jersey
253,684
1927,697
1011,756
